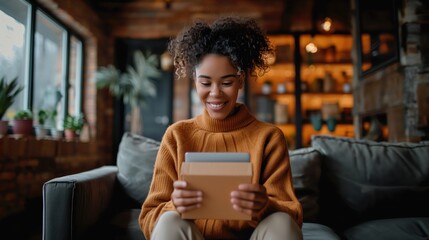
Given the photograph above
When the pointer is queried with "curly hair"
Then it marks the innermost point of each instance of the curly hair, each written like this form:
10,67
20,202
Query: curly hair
239,39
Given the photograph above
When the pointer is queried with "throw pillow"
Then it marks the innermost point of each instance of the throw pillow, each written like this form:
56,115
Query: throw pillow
305,167
136,159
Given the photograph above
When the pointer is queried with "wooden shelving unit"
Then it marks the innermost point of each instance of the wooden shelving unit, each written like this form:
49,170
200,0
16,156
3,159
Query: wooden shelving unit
322,78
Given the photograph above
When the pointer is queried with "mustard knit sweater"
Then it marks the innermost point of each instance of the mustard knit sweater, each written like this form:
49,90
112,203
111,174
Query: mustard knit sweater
240,132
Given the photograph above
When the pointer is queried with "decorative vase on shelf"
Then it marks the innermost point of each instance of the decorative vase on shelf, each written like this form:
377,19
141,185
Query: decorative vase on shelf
281,113
304,86
328,83
346,84
346,87
317,85
316,121
331,123
281,88
266,87
330,109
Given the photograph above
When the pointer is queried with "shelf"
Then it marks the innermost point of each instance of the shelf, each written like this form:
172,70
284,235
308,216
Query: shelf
307,122
274,95
326,93
320,77
305,62
339,122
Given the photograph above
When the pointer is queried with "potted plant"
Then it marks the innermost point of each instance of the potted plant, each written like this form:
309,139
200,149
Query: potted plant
72,126
133,86
8,92
52,124
42,116
23,122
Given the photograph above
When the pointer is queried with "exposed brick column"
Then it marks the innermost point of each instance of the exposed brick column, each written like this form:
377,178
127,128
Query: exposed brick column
415,59
400,91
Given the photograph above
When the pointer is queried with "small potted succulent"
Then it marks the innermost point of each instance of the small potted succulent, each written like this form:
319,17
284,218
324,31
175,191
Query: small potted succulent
8,92
72,126
52,124
42,116
23,122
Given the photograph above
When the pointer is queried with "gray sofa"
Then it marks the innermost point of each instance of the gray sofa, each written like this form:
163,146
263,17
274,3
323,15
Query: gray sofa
349,189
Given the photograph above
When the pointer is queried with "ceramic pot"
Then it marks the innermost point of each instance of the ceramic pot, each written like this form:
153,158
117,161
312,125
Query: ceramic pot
3,127
280,113
316,121
69,134
330,109
40,131
266,88
23,127
331,123
56,134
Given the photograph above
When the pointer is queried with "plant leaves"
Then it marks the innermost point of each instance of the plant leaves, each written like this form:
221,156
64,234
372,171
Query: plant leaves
8,92
136,84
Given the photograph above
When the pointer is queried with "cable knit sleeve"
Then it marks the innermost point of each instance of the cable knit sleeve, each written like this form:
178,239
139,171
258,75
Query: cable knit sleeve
159,197
276,176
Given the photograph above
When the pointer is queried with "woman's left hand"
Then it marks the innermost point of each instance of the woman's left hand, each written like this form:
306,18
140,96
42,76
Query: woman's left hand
249,198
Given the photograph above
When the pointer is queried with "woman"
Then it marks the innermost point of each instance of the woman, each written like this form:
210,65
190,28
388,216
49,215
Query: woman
220,58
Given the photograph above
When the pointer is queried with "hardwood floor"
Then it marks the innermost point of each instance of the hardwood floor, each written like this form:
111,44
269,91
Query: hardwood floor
26,225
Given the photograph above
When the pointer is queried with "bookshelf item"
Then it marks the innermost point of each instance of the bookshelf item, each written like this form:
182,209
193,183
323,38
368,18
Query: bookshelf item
324,86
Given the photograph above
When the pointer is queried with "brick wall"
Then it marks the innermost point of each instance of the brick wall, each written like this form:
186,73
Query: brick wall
27,163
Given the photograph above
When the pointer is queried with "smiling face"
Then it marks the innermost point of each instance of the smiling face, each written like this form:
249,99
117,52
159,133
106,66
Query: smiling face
217,85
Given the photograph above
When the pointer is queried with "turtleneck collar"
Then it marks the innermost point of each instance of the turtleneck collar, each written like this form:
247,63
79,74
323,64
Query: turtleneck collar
241,118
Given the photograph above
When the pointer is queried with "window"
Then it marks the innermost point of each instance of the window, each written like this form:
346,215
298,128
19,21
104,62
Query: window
14,16
47,60
377,24
75,76
48,64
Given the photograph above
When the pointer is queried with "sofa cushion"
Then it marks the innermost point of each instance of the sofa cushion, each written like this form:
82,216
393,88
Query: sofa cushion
368,180
390,229
305,167
136,159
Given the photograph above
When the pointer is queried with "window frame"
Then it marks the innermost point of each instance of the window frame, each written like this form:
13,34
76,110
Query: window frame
29,79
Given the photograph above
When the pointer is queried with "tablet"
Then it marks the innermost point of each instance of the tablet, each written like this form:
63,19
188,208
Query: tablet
217,157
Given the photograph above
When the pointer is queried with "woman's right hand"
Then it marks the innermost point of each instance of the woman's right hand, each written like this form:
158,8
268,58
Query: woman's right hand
185,199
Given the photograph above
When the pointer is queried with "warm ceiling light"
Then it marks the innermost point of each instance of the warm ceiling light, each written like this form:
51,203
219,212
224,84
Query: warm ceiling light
311,48
166,61
327,24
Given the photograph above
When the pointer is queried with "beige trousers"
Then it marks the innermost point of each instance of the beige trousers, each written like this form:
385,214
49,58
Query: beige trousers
278,225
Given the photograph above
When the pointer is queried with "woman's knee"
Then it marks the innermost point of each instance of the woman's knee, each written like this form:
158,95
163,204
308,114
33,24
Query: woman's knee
171,226
277,226
281,217
169,217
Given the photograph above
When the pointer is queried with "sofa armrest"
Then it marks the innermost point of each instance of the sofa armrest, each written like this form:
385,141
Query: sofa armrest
73,203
